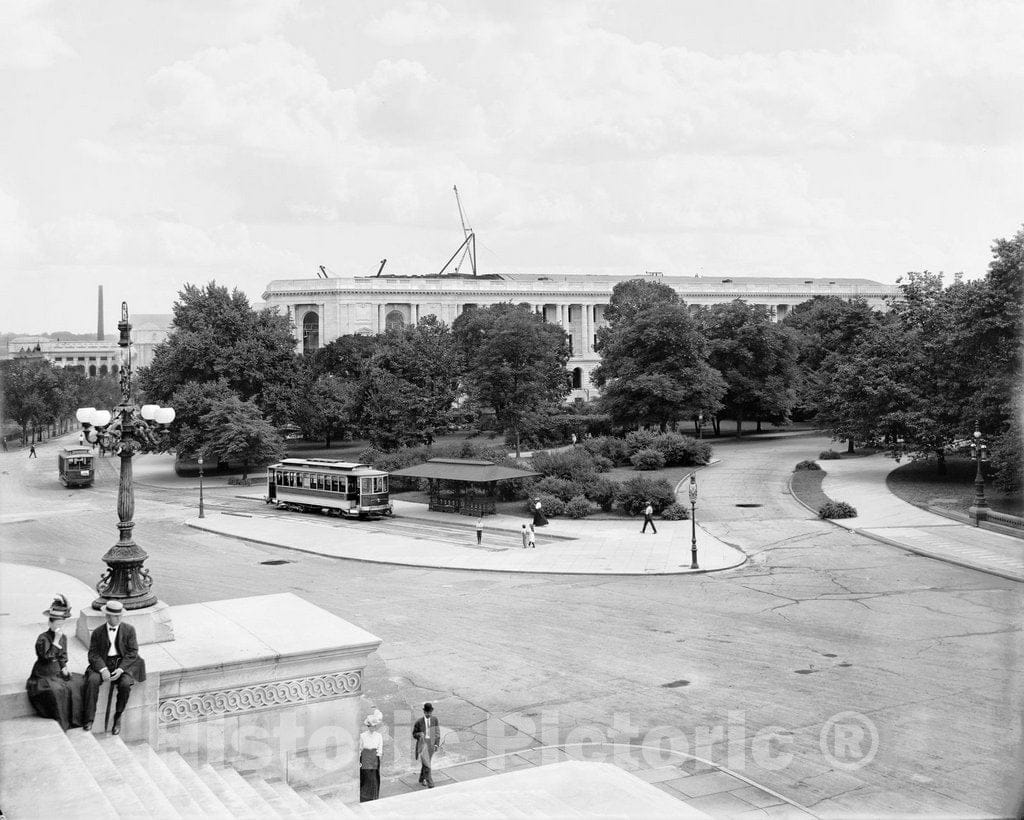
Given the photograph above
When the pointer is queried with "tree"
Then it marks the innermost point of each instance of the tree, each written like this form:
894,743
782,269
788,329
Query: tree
324,406
654,367
824,325
756,357
217,335
411,384
238,433
31,392
192,402
513,361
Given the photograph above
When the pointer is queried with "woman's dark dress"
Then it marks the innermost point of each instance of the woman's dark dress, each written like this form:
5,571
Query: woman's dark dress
539,519
369,775
50,693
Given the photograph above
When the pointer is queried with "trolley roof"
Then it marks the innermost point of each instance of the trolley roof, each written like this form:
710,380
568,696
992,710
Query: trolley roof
326,465
76,451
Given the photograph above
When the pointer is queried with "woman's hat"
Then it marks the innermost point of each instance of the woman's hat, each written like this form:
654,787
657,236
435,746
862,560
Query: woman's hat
60,608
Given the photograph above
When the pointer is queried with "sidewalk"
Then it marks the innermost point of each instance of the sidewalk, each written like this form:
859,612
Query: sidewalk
887,518
416,536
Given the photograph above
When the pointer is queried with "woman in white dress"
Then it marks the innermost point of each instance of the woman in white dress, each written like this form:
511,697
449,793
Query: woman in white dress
371,749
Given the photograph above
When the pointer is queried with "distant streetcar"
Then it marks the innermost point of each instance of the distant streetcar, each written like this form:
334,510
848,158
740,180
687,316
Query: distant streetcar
342,487
75,466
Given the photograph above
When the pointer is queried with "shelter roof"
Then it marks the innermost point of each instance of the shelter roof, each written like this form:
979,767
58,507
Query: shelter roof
464,469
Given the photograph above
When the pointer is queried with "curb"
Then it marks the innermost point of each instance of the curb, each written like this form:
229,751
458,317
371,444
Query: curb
687,571
957,562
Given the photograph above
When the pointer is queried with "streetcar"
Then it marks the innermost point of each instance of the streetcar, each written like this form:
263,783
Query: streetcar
75,466
325,485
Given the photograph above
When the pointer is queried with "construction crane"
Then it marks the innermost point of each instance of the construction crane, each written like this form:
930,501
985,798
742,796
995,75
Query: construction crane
468,246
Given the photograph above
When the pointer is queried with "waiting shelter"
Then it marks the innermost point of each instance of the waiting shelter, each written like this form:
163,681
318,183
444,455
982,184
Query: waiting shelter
462,485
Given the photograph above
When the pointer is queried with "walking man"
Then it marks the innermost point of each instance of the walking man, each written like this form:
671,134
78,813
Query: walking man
532,538
526,537
114,657
649,519
427,732
32,451
480,529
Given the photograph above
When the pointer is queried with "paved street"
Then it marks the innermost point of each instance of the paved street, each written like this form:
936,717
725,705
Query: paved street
819,622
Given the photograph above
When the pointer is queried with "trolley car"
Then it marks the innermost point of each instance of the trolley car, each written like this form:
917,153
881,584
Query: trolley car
329,486
75,466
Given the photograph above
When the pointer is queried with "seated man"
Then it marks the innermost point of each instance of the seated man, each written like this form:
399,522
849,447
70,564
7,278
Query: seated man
114,657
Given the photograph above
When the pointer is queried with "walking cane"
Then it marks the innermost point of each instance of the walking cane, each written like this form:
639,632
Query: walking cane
110,698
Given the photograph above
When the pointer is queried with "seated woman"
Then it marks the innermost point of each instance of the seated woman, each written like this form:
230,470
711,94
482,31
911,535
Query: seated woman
53,691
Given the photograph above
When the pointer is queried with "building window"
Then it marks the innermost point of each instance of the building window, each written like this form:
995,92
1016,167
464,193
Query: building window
394,320
310,332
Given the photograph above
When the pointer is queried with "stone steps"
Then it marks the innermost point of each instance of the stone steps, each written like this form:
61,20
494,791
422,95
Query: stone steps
45,772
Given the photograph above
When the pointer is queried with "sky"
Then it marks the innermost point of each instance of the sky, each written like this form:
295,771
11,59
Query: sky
147,145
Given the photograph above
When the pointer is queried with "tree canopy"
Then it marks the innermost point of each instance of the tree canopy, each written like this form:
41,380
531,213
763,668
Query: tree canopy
654,367
215,335
756,357
512,361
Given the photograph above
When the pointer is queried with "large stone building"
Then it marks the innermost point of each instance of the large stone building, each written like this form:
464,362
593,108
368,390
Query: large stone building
100,357
324,309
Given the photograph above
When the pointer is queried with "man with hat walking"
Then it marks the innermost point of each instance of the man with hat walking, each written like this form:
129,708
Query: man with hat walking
427,733
114,657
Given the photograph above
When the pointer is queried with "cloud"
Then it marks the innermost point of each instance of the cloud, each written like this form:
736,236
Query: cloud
421,22
266,98
28,37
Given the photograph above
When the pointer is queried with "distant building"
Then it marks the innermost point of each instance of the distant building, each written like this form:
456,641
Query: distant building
97,358
321,310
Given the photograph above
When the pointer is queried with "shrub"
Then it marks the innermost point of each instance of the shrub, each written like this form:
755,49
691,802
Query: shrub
603,491
682,450
675,512
640,440
828,455
649,459
613,449
370,456
602,464
574,465
636,492
561,488
550,505
837,509
578,507
807,464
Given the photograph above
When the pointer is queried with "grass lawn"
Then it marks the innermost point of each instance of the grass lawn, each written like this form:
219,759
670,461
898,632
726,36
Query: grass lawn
919,483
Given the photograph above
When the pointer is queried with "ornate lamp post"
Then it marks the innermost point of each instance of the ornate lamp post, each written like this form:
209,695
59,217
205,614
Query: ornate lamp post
693,522
126,431
979,452
202,514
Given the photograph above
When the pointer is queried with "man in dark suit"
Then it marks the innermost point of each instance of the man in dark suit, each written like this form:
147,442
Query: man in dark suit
427,732
114,657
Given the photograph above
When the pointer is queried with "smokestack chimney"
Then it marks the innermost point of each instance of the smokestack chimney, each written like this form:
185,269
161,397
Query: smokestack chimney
99,316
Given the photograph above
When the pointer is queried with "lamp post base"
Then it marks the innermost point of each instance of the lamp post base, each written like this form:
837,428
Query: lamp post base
152,624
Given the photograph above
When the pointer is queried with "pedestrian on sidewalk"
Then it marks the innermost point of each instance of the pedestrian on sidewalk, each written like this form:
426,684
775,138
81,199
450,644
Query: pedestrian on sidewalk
649,519
427,732
371,750
480,529
532,537
526,537
32,451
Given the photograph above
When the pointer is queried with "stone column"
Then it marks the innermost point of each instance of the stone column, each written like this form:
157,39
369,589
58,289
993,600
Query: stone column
381,321
588,330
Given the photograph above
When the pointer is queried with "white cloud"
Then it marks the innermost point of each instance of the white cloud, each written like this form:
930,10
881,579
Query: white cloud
28,37
419,22
266,98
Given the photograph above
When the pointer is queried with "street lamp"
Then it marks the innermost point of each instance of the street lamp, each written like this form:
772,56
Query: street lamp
979,452
693,521
700,425
202,514
126,431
